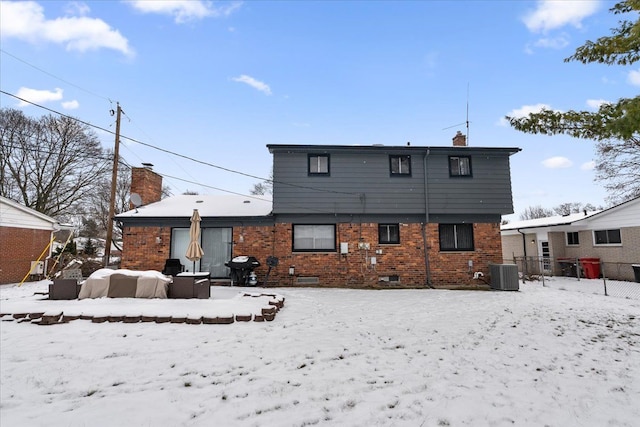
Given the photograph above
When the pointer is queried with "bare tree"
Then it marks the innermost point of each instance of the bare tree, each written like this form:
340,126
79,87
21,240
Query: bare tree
51,164
264,187
618,167
574,207
97,207
534,212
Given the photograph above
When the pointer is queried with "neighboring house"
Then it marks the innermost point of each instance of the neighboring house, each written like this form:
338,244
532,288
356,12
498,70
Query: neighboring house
356,216
612,235
24,235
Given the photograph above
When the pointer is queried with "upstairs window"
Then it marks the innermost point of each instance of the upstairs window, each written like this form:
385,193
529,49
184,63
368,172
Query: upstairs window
318,164
459,166
573,238
456,237
607,237
400,165
388,234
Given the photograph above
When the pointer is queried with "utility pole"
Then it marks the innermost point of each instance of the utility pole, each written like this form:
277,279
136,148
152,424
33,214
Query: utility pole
114,179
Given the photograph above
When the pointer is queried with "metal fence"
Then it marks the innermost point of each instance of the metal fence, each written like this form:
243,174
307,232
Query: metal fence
590,275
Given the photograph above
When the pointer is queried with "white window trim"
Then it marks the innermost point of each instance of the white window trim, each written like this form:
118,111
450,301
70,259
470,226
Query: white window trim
604,245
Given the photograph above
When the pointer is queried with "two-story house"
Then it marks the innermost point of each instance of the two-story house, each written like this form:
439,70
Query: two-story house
353,216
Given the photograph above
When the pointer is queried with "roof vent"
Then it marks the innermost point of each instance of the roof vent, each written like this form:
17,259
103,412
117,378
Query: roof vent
247,201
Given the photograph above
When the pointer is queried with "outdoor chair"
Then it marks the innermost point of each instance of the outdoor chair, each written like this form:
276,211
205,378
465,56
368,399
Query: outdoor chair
172,267
64,289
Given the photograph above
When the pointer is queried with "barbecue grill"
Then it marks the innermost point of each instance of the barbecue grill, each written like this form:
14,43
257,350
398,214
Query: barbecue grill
241,268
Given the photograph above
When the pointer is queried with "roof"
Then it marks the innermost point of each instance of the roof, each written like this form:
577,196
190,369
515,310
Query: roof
207,205
630,206
547,221
9,219
387,148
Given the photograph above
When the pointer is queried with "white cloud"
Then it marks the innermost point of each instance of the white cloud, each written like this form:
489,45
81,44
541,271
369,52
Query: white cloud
523,111
557,162
553,42
588,166
256,84
184,11
26,21
70,105
38,96
596,103
634,77
552,14
77,8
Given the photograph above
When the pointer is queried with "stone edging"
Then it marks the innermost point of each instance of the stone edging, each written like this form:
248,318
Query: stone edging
268,313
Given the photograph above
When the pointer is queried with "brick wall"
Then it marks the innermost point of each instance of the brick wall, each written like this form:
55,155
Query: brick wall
26,246
355,269
142,251
147,184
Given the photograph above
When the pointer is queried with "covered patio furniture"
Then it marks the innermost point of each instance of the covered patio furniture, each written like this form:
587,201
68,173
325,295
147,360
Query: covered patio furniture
190,286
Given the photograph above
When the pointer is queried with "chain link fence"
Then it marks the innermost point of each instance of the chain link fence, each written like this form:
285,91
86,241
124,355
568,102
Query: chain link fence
589,275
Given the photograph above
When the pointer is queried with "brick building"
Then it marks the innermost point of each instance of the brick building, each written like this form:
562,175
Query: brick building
342,216
24,235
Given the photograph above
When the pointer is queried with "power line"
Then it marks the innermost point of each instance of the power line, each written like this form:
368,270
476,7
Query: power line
211,187
54,76
164,150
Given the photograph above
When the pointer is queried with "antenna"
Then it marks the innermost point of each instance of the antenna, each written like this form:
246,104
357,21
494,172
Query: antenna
467,113
466,122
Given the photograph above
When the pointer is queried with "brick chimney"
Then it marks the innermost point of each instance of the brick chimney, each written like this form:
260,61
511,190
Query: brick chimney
459,140
147,184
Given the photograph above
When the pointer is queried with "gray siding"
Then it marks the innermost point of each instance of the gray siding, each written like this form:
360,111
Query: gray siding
487,191
360,183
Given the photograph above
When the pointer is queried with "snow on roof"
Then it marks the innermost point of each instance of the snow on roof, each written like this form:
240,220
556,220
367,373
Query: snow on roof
228,205
548,221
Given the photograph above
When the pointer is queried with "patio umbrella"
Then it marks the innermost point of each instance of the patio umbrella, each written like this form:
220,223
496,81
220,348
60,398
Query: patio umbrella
194,251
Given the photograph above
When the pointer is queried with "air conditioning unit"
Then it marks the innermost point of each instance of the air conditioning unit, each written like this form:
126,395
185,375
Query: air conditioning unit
37,267
504,277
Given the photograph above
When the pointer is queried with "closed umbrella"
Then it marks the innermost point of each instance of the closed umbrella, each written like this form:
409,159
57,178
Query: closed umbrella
194,251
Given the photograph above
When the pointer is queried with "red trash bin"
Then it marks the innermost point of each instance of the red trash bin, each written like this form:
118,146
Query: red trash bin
591,267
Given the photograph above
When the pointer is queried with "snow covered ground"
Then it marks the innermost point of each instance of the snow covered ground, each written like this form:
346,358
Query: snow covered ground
333,357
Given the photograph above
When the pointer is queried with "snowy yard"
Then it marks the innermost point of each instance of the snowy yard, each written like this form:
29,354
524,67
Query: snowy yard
339,357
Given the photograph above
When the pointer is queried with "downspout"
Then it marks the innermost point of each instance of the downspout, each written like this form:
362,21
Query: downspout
426,221
524,243
524,256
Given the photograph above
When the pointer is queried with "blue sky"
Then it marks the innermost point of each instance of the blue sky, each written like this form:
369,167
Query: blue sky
217,81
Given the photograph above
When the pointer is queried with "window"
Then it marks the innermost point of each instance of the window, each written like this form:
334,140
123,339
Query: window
459,166
456,237
388,234
318,164
400,165
319,238
607,237
572,238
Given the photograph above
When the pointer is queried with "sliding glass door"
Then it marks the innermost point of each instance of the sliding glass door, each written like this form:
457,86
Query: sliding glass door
216,244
